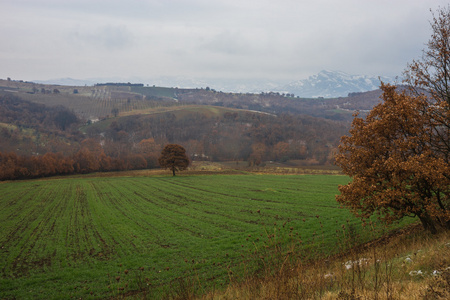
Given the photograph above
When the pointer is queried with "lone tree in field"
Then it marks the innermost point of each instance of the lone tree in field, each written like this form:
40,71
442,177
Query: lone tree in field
398,156
174,157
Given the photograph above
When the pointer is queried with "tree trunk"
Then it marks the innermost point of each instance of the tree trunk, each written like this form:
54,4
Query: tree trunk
173,171
428,223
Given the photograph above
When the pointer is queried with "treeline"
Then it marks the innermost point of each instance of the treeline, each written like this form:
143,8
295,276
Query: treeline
13,166
120,84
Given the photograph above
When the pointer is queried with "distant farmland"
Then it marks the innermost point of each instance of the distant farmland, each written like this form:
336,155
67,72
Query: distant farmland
101,237
93,102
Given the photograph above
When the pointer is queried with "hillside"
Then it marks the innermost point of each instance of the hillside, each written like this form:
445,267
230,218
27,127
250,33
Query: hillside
218,133
405,264
99,101
88,102
31,128
134,139
129,124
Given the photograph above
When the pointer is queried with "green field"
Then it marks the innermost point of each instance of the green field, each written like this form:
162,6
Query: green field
72,237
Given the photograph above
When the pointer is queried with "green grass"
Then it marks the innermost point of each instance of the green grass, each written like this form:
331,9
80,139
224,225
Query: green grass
71,237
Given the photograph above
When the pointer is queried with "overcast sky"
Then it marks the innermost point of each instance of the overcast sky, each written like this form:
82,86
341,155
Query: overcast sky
275,39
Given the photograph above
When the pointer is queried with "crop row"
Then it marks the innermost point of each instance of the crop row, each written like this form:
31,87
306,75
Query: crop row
69,236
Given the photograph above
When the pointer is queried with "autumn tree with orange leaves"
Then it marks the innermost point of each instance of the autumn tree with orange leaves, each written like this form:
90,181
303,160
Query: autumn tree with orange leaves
398,156
174,158
394,169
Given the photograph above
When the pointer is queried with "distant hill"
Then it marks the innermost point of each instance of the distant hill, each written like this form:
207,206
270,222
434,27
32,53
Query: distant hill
224,134
328,84
69,81
31,128
219,84
100,101
332,84
130,123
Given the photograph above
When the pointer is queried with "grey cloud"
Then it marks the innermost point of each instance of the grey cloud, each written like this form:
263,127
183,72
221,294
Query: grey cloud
285,38
229,43
109,37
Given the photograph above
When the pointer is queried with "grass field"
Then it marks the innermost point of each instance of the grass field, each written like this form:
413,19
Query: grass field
102,237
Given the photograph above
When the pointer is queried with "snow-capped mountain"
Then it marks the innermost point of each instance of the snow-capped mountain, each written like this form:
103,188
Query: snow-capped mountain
331,84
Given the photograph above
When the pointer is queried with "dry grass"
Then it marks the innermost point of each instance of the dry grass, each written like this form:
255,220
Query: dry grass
206,168
293,168
408,265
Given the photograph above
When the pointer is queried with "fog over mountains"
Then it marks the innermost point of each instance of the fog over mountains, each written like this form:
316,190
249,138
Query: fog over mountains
327,84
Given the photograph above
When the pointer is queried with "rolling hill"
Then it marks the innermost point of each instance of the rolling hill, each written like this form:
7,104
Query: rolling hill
93,102
211,125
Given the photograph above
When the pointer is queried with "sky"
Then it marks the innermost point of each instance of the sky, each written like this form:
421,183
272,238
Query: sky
235,39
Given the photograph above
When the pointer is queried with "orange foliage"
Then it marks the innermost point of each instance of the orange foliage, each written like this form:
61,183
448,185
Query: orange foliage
174,158
395,170
90,158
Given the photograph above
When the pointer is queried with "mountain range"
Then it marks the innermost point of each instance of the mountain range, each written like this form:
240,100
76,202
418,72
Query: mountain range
326,84
332,84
